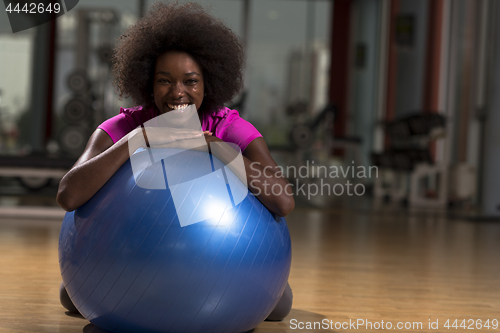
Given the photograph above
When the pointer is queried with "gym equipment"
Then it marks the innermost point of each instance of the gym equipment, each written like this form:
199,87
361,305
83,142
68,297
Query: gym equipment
78,81
73,139
129,266
77,110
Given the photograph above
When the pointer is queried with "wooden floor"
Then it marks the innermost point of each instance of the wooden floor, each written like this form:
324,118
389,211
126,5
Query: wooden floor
372,265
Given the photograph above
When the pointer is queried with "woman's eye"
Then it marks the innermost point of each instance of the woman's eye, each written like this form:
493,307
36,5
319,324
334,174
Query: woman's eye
163,81
192,81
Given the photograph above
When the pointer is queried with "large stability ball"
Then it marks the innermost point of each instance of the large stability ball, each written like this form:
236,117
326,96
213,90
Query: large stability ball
137,257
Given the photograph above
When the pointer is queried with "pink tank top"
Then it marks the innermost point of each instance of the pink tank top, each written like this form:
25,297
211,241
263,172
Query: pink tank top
226,124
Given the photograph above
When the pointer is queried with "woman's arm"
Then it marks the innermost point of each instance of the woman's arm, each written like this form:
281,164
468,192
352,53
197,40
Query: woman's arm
101,159
264,178
94,168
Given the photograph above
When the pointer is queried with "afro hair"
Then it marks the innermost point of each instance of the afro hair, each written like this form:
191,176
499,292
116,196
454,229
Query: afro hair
187,28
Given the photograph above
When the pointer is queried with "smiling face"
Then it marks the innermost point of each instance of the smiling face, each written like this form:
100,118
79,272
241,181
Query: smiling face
178,82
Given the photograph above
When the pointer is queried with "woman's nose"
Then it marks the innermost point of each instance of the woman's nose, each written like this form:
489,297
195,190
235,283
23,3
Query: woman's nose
178,90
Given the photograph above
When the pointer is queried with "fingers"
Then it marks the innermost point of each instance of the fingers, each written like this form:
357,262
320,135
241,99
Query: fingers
187,144
207,133
188,135
157,135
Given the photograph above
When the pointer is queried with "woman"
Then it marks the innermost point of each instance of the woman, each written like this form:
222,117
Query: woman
173,57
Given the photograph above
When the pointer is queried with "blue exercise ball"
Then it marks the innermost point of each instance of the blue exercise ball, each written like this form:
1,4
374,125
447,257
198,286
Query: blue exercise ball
170,244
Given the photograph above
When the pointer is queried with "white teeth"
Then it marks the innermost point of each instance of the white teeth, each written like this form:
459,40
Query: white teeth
178,107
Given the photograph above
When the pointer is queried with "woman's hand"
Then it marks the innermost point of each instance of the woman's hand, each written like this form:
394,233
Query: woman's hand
157,137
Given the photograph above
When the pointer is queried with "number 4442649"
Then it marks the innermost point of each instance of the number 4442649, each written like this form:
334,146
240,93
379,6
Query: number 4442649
34,8
471,324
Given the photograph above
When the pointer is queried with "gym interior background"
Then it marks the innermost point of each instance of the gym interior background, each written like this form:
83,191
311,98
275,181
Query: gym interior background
397,98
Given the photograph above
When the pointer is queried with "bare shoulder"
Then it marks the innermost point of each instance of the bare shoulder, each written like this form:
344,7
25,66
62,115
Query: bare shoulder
98,142
257,151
